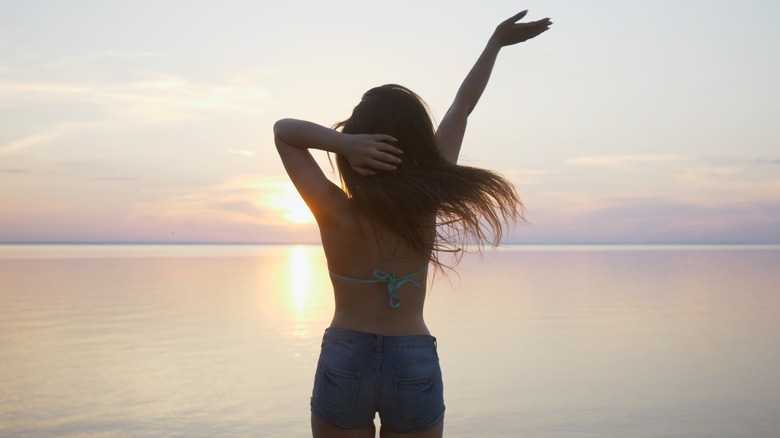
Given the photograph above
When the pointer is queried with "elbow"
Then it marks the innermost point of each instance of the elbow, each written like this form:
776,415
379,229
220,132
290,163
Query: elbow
279,126
279,129
284,126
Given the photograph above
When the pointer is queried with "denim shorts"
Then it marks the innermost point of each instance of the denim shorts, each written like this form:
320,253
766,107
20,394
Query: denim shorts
360,374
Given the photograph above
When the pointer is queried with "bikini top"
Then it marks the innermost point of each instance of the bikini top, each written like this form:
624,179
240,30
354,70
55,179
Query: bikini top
393,283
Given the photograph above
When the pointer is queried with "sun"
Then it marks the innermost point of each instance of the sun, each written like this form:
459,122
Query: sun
297,212
285,200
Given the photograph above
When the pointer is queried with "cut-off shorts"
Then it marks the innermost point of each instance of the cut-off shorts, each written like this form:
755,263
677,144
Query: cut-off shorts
359,374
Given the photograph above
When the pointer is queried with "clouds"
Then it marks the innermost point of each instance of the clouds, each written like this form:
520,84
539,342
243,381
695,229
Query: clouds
652,198
27,141
159,98
139,120
85,144
68,121
241,208
654,221
625,162
700,180
243,152
264,202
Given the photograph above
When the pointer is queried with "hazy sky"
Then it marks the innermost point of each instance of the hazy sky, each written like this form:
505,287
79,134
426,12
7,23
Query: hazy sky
151,120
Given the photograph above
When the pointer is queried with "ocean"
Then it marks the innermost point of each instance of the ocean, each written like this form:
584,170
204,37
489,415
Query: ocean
535,341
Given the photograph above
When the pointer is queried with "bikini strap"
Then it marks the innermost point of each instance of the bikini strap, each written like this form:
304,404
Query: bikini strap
393,283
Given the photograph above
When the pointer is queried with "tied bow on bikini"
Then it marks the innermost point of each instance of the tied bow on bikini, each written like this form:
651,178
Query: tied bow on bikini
393,283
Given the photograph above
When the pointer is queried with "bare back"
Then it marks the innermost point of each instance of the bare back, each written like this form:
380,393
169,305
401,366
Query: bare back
355,248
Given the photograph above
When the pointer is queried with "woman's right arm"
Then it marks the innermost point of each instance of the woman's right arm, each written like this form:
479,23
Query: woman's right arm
452,128
367,154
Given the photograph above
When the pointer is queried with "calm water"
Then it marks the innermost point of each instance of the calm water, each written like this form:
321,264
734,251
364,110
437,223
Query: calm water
190,341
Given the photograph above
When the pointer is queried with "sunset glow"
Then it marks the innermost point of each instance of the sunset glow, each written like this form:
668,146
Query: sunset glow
613,131
287,203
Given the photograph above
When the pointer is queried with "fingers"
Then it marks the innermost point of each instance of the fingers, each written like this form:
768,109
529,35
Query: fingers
387,167
519,16
376,160
384,161
381,141
540,23
373,167
544,22
389,149
537,27
383,137
376,154
516,17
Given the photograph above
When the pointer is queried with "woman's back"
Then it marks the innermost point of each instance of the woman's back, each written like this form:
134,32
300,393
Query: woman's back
379,282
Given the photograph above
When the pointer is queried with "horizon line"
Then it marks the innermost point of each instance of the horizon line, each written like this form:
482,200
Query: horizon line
215,243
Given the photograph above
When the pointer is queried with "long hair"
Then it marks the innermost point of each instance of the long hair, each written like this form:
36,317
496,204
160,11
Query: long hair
433,205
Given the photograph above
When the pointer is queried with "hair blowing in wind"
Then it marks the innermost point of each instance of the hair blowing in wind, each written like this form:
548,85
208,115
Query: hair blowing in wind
434,205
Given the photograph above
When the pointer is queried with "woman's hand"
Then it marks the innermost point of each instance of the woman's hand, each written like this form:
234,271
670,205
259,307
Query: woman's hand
511,32
371,153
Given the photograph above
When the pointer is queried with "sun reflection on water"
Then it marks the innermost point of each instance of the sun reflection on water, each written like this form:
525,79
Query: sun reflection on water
306,290
299,273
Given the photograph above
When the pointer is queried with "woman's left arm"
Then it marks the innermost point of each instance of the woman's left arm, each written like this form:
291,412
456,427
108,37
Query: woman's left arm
452,128
367,154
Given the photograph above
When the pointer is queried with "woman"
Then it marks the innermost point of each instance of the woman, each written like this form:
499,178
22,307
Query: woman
403,201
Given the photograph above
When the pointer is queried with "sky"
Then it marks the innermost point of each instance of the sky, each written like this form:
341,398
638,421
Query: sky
151,121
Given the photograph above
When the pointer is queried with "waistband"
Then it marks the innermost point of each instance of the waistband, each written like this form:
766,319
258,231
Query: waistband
372,339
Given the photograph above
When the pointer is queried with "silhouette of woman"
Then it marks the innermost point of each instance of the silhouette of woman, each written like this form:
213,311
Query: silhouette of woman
403,201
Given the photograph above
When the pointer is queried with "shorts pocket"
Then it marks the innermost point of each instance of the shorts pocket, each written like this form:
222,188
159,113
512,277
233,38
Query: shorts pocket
421,399
336,390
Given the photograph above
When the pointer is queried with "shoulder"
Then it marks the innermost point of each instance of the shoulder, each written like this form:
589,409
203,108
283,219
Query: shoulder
331,208
343,231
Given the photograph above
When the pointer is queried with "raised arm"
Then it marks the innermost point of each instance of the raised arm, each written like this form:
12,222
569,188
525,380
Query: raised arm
452,128
366,153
